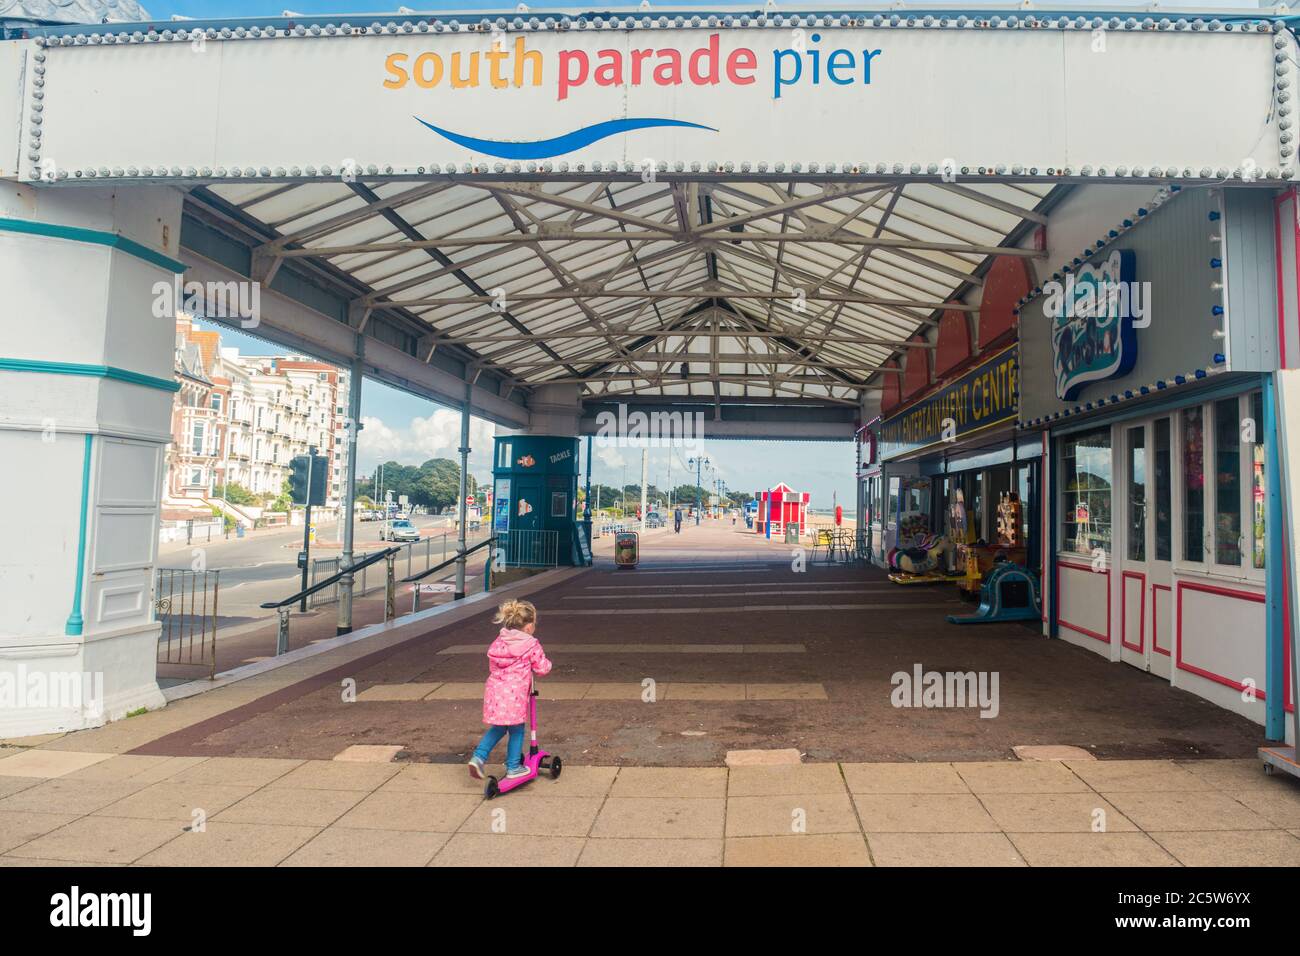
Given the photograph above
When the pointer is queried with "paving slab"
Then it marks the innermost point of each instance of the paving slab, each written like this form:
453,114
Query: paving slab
1054,812
1011,776
681,782
785,692
508,850
240,771
684,690
1236,774
1200,810
336,775
534,815
230,844
791,815
1091,849
1279,805
782,780
1051,752
344,846
48,763
458,691
829,849
655,853
20,826
625,691
286,807
943,849
65,795
134,767
903,778
90,840
764,758
437,812
660,818
180,802
1232,847
433,778
10,785
922,813
397,692
1116,776
369,753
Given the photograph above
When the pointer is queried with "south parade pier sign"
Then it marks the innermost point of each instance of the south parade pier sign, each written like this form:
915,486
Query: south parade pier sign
848,95
985,396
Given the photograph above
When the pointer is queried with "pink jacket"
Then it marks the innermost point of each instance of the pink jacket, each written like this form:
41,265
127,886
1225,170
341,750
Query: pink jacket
512,658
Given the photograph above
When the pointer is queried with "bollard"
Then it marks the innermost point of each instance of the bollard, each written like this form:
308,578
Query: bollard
282,637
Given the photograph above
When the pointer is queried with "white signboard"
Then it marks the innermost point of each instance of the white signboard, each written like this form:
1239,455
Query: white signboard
814,99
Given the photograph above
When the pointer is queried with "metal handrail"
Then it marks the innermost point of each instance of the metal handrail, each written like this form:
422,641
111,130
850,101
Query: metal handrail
450,561
321,585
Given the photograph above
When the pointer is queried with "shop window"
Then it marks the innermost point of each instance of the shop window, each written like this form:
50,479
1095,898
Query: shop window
1227,482
999,484
892,514
1258,482
1085,495
1136,529
1193,485
1163,492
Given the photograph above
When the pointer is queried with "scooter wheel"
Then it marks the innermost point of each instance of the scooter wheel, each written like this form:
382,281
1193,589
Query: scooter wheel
492,789
556,766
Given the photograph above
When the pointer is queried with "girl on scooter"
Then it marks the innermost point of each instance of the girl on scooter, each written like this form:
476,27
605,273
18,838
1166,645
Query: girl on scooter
513,658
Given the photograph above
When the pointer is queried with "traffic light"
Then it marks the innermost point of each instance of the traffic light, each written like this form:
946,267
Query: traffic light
302,465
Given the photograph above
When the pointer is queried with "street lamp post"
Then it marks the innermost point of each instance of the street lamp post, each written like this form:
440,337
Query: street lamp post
699,464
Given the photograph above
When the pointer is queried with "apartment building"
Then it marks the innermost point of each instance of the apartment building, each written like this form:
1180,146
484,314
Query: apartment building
242,419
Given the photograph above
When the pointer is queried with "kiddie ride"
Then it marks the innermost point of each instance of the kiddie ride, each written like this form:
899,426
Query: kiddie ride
535,760
1009,593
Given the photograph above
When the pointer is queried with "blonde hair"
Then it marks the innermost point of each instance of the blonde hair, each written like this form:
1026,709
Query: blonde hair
515,614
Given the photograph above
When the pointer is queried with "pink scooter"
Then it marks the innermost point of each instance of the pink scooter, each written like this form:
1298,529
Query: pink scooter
535,760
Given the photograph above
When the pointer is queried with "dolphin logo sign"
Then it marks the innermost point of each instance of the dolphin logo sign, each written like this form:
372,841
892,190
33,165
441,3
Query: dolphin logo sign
558,145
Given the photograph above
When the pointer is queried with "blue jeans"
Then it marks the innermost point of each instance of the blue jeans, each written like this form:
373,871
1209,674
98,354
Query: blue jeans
514,746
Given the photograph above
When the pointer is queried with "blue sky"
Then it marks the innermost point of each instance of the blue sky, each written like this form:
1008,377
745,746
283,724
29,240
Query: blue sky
401,427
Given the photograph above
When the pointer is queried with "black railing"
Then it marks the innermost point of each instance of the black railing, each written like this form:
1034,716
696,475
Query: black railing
284,607
414,578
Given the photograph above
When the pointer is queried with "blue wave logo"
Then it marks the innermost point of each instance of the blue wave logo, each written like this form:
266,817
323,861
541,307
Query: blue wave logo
559,145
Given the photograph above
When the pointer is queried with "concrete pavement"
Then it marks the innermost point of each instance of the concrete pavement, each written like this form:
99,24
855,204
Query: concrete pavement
353,756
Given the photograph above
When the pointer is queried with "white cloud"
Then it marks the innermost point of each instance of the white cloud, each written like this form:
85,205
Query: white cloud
435,436
611,457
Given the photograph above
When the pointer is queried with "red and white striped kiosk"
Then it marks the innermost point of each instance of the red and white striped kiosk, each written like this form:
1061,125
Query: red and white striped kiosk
781,506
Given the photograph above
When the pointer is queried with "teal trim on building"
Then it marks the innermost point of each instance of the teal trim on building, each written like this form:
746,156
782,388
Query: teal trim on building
94,236
97,371
75,623
1275,579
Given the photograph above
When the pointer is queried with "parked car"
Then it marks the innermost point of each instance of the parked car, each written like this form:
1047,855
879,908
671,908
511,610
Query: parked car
399,529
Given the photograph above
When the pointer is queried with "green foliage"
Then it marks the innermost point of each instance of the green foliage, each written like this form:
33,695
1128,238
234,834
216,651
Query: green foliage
434,485
237,494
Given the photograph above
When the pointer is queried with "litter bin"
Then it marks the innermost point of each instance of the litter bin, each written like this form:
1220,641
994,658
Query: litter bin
627,549
792,534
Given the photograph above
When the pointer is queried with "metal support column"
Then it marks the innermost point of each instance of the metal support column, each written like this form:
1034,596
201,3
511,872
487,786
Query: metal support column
461,509
1275,573
350,487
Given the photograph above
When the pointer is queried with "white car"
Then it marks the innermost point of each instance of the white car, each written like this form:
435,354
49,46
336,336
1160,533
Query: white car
399,529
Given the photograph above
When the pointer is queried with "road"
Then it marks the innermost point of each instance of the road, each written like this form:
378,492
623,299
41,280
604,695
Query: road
262,566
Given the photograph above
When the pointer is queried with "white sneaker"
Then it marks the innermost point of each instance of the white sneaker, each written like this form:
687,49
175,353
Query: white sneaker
520,771
476,768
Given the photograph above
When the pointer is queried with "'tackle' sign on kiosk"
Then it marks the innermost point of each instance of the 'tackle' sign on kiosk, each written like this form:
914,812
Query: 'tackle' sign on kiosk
983,397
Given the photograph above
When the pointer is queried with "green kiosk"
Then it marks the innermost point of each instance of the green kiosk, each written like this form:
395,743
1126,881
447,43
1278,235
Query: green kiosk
534,499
